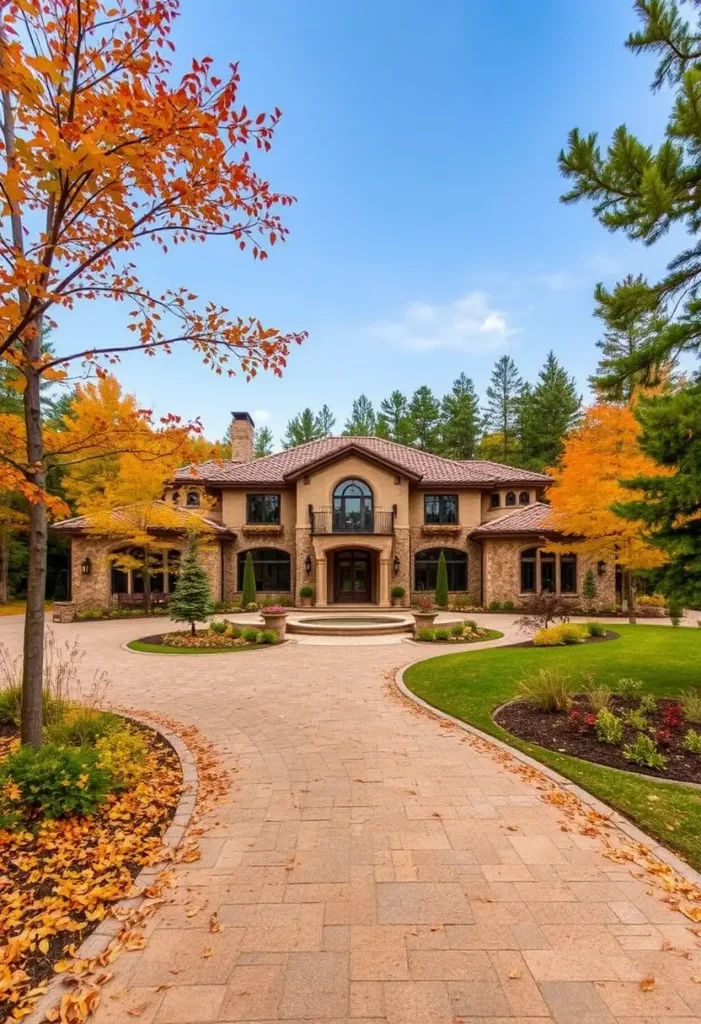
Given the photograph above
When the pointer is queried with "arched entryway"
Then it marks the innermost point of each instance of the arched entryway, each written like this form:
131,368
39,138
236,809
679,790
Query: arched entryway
352,576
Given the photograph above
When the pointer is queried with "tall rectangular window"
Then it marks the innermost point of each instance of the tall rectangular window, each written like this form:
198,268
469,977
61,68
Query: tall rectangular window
547,573
263,509
528,560
441,509
568,574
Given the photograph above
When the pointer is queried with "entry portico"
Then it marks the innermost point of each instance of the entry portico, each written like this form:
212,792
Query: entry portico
352,570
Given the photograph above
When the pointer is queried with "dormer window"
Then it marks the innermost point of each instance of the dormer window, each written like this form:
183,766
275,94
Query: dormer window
510,499
176,497
495,500
193,499
524,498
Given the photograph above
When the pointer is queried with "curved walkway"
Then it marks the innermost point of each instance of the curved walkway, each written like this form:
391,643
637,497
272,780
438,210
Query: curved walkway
372,864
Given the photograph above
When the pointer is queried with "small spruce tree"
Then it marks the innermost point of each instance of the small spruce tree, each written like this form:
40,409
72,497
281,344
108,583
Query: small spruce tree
248,591
589,588
191,600
442,582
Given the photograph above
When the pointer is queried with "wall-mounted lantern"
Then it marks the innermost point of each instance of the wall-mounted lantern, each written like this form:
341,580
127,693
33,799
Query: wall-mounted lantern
308,564
601,567
86,566
397,564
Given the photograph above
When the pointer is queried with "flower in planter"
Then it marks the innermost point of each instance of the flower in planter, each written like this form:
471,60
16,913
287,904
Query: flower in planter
424,604
274,609
674,716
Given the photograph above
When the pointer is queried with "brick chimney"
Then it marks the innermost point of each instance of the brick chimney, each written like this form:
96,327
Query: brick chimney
242,427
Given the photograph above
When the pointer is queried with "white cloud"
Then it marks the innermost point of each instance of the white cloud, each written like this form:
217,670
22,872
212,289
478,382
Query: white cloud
469,323
260,416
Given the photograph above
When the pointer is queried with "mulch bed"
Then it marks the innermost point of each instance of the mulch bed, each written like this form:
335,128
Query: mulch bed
58,878
554,732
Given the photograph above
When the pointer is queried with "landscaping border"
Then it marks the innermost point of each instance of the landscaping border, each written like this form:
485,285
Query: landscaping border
99,939
168,652
625,826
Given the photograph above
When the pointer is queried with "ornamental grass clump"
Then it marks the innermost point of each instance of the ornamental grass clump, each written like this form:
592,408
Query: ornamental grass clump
547,690
691,703
83,727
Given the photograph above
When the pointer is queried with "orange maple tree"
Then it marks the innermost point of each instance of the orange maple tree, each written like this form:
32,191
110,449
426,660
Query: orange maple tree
105,150
587,485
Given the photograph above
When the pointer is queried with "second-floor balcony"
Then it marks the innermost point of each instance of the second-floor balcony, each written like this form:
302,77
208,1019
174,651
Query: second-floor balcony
366,520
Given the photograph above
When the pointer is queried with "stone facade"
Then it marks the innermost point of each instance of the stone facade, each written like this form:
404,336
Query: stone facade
424,538
502,573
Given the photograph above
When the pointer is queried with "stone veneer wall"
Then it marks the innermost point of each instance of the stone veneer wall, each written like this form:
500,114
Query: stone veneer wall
502,573
283,541
422,541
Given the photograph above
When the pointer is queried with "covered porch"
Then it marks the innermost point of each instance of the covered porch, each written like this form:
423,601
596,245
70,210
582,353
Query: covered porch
353,574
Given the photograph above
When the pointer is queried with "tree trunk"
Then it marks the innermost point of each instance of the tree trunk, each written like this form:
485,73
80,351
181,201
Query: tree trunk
33,673
630,587
4,565
192,628
147,581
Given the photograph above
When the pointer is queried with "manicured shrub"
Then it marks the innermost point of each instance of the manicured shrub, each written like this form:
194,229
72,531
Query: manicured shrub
547,690
547,638
630,689
495,606
457,630
306,591
609,727
508,606
442,633
398,592
425,634
123,754
267,636
470,624
692,741
252,606
82,727
571,633
648,704
233,631
643,751
651,601
442,582
589,588
57,781
218,627
250,633
691,702
191,600
248,587
596,629
637,719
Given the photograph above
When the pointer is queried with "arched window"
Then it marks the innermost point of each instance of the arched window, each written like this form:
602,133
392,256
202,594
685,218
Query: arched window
524,498
426,569
495,500
510,498
271,567
352,506
528,573
568,574
193,499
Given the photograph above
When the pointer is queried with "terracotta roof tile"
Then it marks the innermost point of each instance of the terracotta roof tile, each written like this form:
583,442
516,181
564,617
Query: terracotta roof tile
78,524
533,518
430,469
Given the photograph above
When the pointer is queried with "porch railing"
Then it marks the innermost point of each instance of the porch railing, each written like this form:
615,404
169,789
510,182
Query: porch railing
367,521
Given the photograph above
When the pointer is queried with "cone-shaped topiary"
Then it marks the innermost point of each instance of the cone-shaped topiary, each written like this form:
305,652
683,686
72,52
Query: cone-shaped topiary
589,588
248,595
442,582
191,600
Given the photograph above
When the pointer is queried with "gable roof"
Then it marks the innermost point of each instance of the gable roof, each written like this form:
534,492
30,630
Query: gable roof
283,467
82,524
530,519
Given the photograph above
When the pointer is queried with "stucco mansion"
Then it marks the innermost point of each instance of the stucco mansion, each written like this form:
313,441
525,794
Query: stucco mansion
352,517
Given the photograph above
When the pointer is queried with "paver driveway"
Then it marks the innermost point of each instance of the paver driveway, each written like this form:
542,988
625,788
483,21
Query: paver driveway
371,864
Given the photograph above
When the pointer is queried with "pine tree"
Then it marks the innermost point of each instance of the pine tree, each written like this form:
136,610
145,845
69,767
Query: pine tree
460,420
191,600
394,419
248,590
547,412
424,415
262,442
504,395
362,420
589,590
325,421
442,582
302,428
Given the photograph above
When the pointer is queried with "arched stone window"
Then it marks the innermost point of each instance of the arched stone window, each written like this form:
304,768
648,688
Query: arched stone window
352,506
529,558
510,498
271,567
193,499
524,498
426,568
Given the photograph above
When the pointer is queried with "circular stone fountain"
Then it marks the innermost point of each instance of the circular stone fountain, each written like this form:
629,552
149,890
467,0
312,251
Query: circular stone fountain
350,624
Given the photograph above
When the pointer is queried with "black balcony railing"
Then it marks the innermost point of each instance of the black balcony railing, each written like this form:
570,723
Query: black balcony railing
367,521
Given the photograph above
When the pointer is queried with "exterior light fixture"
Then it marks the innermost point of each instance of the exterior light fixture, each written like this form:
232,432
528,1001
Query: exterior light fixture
308,564
86,566
601,567
397,564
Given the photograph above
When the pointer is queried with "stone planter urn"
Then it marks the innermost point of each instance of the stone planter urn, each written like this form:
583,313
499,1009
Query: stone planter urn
306,596
424,619
275,619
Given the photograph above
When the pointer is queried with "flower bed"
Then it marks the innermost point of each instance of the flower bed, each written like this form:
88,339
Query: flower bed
460,633
77,823
219,638
643,734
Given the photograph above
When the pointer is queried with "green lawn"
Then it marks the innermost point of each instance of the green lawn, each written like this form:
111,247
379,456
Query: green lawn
471,684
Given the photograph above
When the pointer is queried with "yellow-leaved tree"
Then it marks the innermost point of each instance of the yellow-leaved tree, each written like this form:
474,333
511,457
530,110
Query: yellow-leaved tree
587,485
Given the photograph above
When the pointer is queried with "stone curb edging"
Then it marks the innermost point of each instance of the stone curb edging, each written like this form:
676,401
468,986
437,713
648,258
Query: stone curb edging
631,831
99,939
609,767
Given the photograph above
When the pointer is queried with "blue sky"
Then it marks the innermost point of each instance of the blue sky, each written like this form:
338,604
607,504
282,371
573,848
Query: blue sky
421,142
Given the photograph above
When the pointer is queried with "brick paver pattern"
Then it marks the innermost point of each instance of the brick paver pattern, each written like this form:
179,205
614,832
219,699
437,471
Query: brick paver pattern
371,865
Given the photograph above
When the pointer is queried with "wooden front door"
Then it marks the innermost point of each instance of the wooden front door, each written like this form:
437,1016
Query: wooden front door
353,577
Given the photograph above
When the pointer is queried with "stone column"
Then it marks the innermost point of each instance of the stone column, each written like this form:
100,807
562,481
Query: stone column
321,595
384,582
